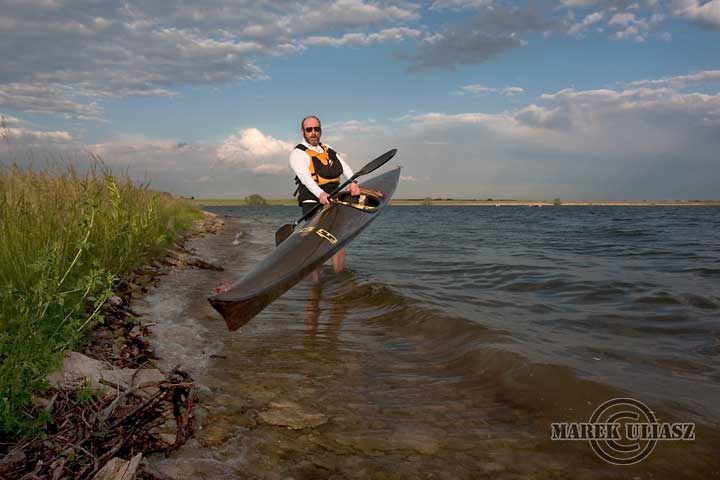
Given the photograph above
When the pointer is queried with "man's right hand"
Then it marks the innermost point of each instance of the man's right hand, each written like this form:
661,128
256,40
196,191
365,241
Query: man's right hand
324,198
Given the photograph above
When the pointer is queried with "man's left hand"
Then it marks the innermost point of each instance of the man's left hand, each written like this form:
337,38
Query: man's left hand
354,189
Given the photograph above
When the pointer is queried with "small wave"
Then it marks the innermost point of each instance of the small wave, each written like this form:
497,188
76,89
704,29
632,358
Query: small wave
622,232
660,298
382,305
554,285
699,301
702,271
581,292
665,298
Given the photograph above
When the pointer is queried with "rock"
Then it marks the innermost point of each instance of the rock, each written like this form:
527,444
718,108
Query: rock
115,301
217,434
79,369
328,463
148,376
292,416
167,438
76,370
44,403
144,380
420,439
119,469
198,262
117,378
136,331
493,467
10,461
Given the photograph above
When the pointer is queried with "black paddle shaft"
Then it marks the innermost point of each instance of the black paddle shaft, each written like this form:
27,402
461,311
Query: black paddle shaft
287,229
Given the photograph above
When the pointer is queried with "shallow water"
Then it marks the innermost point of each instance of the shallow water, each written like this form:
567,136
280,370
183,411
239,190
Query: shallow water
453,341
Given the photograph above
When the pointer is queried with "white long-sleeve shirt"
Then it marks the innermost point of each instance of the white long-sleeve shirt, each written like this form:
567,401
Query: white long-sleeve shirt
300,163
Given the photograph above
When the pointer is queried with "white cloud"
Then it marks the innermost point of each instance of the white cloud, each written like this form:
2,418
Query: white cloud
706,14
251,160
15,133
631,27
681,81
270,169
46,98
512,91
353,127
605,143
11,134
154,154
247,153
623,19
628,20
350,13
252,149
578,3
590,19
203,179
62,57
249,143
476,89
460,4
396,34
439,118
9,120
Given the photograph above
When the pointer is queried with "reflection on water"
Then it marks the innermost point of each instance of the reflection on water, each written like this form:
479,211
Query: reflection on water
386,372
323,334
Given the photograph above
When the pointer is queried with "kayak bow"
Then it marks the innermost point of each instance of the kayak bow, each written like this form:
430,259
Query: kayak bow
305,250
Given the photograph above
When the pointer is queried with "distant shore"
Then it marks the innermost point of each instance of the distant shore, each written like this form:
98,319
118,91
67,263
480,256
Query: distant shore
217,202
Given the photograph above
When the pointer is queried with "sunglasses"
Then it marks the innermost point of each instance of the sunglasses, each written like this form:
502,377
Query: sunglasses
310,129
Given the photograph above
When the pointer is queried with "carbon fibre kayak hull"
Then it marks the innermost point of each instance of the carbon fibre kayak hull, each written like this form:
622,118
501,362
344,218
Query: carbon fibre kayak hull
305,250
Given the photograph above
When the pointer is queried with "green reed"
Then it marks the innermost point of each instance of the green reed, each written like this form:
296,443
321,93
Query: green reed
64,239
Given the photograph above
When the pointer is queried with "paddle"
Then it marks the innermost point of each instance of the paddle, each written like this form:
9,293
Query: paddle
286,230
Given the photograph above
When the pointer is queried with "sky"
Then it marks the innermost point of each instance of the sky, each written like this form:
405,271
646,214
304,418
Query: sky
570,99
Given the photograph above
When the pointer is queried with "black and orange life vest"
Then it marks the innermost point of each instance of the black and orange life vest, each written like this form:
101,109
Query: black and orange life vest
325,169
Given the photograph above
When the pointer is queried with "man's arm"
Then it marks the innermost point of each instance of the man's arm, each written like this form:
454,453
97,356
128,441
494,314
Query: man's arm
347,171
354,189
299,164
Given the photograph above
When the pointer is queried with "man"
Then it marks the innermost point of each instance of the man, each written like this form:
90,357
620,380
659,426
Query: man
317,170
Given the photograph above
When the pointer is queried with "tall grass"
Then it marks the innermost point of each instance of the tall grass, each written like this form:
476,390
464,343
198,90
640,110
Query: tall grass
64,239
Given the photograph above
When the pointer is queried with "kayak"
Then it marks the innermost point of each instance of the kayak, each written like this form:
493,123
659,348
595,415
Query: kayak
305,250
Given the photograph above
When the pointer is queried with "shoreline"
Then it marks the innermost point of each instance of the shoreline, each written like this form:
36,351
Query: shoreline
114,384
484,203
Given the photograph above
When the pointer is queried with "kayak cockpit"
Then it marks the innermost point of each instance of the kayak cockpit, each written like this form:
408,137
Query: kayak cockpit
369,200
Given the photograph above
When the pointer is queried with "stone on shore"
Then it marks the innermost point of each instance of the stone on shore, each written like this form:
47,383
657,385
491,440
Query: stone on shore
79,370
292,416
119,469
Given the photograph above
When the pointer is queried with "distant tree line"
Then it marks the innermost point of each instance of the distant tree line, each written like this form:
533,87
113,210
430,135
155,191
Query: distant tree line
255,199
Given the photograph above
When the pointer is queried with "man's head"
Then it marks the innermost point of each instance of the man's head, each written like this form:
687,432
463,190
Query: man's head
311,130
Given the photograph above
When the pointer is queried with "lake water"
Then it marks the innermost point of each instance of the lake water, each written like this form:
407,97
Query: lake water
454,340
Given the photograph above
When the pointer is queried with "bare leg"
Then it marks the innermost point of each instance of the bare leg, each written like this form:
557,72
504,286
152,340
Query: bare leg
316,276
338,261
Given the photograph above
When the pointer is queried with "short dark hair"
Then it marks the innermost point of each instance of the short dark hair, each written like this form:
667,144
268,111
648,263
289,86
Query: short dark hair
302,123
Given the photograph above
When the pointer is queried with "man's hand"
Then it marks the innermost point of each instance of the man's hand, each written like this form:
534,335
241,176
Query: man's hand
354,189
324,198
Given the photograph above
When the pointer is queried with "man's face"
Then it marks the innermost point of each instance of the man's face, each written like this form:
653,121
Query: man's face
312,136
